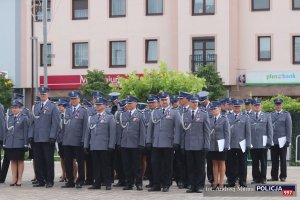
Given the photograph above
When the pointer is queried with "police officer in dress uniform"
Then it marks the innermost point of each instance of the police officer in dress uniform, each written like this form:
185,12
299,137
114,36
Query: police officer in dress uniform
180,162
152,102
205,105
248,106
224,106
118,158
261,139
220,133
25,111
16,141
132,143
101,140
163,134
43,132
195,123
75,128
282,128
240,144
175,102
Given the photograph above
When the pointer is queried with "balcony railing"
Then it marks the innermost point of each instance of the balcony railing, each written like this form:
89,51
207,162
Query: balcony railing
197,61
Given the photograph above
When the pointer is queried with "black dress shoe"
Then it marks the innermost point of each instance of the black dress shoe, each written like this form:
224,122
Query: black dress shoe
200,190
272,179
180,185
49,185
154,189
190,191
243,185
139,188
79,185
13,184
88,182
35,182
119,184
128,187
149,186
94,187
38,185
108,187
165,189
282,179
230,185
68,185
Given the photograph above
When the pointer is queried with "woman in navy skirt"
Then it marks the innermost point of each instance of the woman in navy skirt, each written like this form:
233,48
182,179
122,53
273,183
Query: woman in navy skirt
15,141
219,143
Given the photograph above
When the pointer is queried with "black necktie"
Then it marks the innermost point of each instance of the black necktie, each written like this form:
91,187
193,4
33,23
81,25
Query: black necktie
184,109
236,115
256,115
130,113
99,115
193,114
42,106
74,110
15,119
163,111
278,113
62,116
215,120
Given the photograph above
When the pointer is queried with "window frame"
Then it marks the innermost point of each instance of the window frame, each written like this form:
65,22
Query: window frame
204,40
204,9
261,9
115,16
258,48
154,14
147,49
294,49
293,6
73,56
41,55
110,54
79,18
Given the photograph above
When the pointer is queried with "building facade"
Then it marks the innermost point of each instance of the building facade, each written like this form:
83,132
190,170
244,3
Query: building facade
254,44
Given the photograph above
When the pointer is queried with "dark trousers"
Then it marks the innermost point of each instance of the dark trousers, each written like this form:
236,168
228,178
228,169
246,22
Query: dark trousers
180,167
196,168
118,166
209,168
71,153
259,164
43,153
89,177
102,167
149,166
162,165
276,154
237,156
4,167
132,161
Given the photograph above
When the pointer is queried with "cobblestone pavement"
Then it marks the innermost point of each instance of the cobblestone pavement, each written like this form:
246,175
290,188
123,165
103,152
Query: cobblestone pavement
26,191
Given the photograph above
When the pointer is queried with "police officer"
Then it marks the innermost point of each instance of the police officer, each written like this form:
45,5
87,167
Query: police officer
25,111
86,103
175,102
162,134
240,144
248,106
92,110
118,166
152,102
2,130
224,106
282,127
195,142
205,105
101,140
43,133
261,139
219,143
75,128
16,141
230,101
132,143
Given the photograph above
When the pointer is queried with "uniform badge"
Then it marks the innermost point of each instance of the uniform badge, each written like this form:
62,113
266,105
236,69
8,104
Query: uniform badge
76,115
168,115
46,110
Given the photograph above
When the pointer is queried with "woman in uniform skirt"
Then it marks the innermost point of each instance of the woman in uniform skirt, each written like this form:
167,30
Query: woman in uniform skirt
15,141
219,143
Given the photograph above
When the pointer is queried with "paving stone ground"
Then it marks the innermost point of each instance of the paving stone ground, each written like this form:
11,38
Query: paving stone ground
26,191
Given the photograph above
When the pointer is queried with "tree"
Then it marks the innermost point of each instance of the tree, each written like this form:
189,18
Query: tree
155,81
96,81
214,83
6,90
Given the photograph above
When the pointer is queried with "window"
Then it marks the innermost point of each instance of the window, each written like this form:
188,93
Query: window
296,50
117,54
260,5
49,49
38,10
203,7
154,7
264,48
117,8
296,4
151,51
80,55
203,52
80,9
